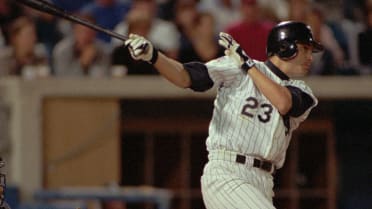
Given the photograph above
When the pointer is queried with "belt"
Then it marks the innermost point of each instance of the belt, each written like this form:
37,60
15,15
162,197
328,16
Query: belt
242,159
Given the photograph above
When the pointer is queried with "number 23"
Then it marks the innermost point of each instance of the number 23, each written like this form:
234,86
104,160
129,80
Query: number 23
252,103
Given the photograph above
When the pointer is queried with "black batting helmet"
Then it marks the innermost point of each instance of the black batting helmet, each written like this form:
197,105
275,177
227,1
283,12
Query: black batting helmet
284,36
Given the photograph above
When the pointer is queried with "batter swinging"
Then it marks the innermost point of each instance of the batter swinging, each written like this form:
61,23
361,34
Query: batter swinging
256,109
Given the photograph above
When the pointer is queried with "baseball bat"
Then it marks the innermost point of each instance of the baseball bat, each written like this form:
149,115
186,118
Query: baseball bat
44,6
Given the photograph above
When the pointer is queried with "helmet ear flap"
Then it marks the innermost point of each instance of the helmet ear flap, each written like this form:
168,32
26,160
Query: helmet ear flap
287,49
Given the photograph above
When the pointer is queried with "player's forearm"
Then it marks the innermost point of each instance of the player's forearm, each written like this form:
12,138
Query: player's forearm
173,71
142,49
278,95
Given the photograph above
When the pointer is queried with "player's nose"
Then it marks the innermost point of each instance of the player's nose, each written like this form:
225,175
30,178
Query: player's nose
310,57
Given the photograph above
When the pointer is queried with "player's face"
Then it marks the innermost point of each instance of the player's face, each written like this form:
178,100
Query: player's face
302,62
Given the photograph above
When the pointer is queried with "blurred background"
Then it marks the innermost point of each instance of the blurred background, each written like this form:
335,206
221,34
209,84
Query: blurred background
84,126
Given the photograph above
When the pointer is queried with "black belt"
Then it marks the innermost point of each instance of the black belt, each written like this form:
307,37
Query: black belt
235,157
257,163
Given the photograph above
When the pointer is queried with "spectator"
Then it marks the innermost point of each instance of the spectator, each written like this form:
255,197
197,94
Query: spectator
23,57
198,39
139,22
274,10
162,33
332,60
298,10
351,28
251,31
365,41
225,12
9,11
107,13
63,26
47,30
204,40
81,54
166,9
352,9
186,16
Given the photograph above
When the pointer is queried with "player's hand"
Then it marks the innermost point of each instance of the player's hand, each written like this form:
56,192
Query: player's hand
141,49
233,50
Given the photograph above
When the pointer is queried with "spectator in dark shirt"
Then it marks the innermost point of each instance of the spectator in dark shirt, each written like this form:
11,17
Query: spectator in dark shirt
198,39
365,41
9,11
47,30
140,23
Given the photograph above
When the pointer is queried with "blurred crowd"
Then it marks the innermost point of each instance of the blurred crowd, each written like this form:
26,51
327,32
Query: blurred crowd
35,44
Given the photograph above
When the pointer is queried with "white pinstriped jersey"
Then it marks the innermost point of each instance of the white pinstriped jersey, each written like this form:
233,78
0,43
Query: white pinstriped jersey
244,120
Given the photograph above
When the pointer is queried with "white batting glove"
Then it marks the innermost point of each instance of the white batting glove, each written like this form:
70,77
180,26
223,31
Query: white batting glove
141,49
233,50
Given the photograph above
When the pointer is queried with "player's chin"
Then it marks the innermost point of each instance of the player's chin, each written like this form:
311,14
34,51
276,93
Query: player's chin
301,72
305,69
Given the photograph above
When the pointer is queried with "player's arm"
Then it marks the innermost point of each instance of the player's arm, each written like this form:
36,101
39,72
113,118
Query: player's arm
190,75
172,70
278,95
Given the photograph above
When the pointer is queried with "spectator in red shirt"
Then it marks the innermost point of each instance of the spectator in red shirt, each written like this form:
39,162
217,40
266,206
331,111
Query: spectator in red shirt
251,31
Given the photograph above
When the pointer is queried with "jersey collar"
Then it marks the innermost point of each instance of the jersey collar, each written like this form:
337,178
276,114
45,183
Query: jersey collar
276,70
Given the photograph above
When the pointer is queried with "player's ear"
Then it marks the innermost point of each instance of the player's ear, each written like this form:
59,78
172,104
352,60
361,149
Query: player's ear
287,49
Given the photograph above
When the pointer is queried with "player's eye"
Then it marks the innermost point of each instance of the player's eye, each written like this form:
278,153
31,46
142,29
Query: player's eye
305,48
308,47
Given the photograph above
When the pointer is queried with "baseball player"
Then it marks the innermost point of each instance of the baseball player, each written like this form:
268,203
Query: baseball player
256,109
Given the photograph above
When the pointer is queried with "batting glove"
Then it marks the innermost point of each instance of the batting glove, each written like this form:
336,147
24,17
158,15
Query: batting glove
141,49
233,50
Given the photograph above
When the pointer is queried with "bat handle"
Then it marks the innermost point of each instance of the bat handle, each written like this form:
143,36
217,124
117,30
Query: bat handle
116,35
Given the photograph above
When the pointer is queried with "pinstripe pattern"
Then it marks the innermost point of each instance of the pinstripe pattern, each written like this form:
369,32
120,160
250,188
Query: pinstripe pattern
245,122
231,130
228,185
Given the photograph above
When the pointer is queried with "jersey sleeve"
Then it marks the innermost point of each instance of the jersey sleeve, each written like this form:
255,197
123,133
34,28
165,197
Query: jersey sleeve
200,79
219,71
223,70
303,101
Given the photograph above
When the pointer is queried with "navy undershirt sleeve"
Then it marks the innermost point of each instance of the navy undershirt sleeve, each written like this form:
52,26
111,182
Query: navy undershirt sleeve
200,79
301,101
